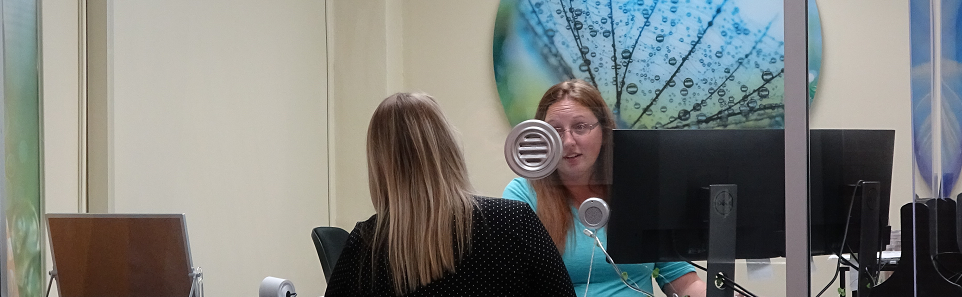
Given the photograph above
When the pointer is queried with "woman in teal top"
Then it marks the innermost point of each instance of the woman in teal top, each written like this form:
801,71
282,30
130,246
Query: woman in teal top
575,109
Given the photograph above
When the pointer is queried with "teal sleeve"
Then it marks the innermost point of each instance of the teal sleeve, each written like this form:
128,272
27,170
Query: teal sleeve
520,190
669,271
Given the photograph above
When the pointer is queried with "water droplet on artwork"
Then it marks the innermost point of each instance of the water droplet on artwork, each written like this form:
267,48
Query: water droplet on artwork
767,75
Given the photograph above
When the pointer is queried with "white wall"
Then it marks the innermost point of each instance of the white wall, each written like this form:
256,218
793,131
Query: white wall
217,110
362,74
864,84
61,110
444,49
864,81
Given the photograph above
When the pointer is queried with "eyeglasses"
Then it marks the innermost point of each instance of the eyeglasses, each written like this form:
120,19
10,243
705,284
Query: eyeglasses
578,129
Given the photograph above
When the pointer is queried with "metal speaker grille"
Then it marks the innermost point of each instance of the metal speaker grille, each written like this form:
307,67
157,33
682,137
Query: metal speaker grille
533,149
594,213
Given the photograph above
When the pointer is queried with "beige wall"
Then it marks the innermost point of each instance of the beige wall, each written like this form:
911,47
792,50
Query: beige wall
864,82
61,112
218,112
360,76
216,109
444,49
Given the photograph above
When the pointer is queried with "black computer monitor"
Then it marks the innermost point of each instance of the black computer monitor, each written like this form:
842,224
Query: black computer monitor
838,160
659,199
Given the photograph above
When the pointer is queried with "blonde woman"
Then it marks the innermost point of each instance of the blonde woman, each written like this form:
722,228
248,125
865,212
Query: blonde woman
430,236
579,113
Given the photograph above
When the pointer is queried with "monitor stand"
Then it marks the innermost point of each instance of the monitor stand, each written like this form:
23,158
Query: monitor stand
721,239
196,285
868,237
197,282
916,276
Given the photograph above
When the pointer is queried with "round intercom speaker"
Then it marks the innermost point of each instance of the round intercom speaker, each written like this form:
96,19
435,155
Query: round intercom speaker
594,213
533,149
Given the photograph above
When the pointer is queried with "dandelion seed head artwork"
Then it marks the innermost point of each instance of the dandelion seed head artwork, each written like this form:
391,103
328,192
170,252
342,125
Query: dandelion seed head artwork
660,64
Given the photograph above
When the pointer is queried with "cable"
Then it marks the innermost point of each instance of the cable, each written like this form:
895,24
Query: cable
848,219
735,286
624,279
591,264
936,264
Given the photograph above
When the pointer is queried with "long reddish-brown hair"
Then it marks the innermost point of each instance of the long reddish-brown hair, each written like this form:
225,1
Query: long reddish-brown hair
554,199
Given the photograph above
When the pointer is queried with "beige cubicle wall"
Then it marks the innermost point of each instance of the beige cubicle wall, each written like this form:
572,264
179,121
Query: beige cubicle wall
216,109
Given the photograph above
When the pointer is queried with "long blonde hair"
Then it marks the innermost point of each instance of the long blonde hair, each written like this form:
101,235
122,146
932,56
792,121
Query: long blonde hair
554,199
420,189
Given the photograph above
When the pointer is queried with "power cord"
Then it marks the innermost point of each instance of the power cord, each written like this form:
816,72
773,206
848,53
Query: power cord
728,281
848,219
591,264
624,278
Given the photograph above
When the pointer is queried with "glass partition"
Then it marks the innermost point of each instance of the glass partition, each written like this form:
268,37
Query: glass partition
698,92
864,127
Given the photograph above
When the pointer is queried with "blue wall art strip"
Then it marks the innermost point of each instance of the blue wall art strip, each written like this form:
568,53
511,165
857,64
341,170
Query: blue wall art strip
936,103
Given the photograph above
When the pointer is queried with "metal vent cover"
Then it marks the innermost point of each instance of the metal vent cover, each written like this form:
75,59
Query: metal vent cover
533,149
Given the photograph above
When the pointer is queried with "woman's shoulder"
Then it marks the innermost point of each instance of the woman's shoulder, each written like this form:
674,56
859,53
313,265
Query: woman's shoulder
500,210
489,204
520,189
363,232
518,183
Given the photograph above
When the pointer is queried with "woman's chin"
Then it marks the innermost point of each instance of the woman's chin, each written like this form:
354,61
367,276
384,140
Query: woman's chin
571,175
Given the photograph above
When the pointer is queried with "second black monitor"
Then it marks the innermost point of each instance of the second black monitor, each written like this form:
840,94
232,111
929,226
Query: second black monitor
659,197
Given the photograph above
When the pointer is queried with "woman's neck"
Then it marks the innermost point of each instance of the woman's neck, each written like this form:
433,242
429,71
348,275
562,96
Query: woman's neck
580,193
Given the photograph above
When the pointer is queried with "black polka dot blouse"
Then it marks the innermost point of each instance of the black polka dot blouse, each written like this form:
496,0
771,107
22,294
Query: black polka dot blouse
511,255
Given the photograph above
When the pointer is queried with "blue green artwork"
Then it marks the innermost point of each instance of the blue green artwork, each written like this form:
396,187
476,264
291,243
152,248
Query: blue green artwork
937,96
659,64
21,265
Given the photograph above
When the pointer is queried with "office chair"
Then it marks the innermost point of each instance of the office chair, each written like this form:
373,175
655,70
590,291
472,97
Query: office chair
329,241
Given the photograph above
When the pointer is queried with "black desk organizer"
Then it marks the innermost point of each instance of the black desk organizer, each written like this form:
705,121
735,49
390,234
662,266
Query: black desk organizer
917,276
